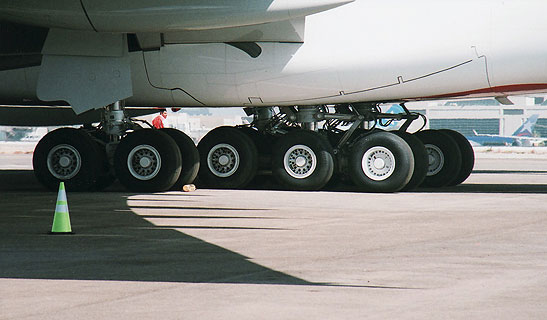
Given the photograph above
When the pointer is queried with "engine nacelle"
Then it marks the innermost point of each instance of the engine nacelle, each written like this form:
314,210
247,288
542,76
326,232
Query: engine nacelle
157,15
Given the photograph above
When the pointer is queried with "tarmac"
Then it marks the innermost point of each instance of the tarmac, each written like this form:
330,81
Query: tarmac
478,250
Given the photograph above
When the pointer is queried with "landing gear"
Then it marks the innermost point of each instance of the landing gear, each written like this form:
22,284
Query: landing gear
147,160
302,147
421,160
302,160
229,158
190,157
316,144
445,158
69,155
343,142
89,159
468,156
381,162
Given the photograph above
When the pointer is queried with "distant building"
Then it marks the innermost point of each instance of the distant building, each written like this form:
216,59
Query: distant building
485,116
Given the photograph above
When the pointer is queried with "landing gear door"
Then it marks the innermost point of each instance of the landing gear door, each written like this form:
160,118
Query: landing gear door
195,73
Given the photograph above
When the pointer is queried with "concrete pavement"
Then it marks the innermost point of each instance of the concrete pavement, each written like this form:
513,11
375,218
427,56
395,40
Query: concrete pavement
478,250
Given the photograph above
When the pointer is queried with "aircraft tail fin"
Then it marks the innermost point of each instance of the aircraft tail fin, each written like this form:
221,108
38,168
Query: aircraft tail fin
526,129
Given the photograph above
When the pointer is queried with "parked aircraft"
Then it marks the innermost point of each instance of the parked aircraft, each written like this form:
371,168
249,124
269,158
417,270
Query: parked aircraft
523,136
310,72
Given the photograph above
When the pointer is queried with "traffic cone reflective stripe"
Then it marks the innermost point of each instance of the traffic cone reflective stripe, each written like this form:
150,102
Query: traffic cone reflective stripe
61,220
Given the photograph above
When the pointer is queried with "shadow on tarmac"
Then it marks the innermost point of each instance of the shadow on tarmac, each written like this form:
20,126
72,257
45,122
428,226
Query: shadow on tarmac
268,184
114,243
495,188
490,188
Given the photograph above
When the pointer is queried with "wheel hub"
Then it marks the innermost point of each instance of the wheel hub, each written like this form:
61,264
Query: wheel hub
223,160
436,159
144,162
300,161
64,162
378,163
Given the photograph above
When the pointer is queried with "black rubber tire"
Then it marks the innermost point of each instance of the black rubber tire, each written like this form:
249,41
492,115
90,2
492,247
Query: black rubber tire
402,154
240,174
263,144
79,140
448,171
468,156
190,157
169,169
324,166
421,160
106,175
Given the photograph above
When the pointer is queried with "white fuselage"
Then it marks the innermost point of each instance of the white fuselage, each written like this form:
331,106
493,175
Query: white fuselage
390,50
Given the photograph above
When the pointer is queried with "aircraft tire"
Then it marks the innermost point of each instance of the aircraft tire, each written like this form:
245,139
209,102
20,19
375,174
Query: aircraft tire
468,156
445,158
147,160
381,162
68,155
106,176
190,157
302,160
421,160
229,159
263,145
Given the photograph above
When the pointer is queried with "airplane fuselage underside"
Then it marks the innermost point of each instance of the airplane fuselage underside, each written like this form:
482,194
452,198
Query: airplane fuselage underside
359,52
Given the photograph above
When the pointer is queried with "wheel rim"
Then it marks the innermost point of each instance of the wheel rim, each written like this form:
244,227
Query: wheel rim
144,162
223,160
436,159
378,163
300,161
64,162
